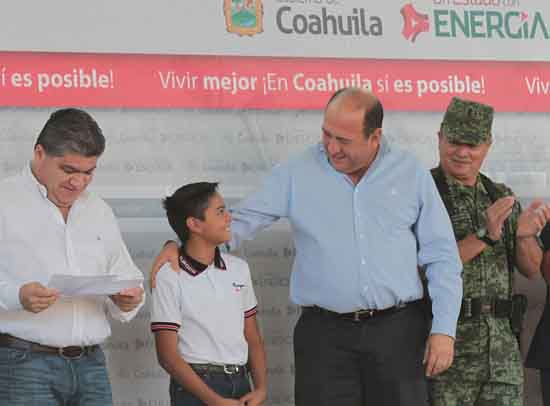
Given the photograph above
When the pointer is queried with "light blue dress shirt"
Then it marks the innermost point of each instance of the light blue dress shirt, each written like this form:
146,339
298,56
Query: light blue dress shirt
358,246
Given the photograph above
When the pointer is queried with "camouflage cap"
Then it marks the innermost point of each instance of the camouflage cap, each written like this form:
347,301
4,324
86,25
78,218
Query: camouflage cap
467,122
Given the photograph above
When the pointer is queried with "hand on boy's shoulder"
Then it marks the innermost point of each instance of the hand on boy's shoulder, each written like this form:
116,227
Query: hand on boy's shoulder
167,273
168,255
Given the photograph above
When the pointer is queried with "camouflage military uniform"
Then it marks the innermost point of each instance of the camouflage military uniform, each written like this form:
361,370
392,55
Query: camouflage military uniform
486,350
487,368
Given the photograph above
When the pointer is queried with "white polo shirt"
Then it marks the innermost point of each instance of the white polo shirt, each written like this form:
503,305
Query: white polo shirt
206,306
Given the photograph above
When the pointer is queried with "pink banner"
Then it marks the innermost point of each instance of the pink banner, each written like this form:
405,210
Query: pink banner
211,82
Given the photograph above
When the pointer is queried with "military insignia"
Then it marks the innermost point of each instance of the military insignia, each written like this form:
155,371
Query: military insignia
243,17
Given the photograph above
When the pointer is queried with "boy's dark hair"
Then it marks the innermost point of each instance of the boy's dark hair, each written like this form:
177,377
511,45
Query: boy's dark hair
71,131
190,200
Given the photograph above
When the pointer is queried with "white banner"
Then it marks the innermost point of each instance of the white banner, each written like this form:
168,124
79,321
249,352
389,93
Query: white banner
398,29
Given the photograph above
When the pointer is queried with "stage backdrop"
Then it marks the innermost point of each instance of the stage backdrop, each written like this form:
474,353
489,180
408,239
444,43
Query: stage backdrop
223,90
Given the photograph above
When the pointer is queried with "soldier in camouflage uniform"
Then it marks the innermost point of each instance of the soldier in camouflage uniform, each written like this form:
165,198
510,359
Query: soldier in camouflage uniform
491,230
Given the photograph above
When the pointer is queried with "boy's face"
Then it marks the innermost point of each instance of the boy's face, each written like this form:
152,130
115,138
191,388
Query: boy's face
216,226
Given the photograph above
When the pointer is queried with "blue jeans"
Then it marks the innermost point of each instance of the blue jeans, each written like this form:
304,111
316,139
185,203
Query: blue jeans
227,386
42,379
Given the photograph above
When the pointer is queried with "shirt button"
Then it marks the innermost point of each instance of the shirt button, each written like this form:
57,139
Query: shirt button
363,261
361,236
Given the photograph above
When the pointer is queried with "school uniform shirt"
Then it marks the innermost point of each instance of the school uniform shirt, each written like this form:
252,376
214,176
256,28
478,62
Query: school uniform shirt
36,243
206,305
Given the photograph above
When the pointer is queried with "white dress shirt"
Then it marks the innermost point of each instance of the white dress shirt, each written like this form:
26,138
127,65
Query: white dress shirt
36,242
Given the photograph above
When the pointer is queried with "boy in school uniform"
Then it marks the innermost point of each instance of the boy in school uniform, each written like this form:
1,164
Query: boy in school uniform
204,318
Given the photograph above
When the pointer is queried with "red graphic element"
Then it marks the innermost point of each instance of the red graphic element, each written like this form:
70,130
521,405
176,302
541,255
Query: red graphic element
414,22
524,16
34,79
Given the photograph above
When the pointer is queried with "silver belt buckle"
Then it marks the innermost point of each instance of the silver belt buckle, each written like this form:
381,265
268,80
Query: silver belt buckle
231,369
357,315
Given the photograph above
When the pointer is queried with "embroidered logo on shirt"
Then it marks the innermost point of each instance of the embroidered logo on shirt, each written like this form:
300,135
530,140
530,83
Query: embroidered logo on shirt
238,287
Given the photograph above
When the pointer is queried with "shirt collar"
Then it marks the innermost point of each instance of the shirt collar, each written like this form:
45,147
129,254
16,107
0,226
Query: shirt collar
194,267
462,188
31,179
385,148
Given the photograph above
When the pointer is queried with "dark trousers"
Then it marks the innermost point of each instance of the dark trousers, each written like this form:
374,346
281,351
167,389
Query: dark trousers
227,386
545,386
374,362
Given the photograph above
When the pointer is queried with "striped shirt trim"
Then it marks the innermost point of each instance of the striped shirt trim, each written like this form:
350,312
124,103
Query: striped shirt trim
164,326
194,267
251,312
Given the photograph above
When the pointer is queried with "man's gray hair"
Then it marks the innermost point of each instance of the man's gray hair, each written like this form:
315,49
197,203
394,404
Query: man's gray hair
71,131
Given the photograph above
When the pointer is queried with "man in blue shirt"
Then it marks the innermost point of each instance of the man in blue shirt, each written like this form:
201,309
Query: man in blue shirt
364,217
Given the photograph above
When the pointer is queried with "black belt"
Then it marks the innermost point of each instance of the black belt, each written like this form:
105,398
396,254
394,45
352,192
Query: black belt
363,314
225,369
71,352
477,306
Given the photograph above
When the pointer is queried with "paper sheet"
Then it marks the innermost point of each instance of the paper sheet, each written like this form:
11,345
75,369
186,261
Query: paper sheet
81,285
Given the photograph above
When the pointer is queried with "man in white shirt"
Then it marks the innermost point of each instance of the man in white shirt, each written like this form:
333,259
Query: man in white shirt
50,224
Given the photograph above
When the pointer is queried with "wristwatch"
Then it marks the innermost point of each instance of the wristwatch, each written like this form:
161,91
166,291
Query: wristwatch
482,235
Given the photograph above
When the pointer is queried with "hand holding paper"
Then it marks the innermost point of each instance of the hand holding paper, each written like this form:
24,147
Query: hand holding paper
35,297
128,299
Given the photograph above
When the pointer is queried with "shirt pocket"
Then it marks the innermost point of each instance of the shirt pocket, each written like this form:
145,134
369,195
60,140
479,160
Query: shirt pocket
471,338
91,253
12,356
397,214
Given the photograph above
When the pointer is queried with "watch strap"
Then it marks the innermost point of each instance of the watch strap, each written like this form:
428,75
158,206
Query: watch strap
487,240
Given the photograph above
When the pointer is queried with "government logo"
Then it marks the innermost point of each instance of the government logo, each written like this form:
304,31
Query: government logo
414,22
243,17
